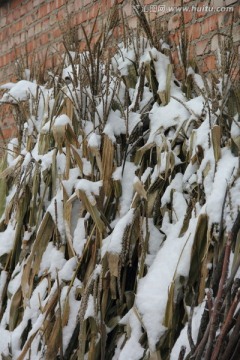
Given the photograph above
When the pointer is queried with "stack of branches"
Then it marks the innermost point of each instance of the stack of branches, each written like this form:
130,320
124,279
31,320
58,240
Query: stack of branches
119,215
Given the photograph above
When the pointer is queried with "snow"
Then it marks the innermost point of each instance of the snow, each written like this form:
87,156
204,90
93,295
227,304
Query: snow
87,167
52,260
132,350
79,238
20,91
115,125
155,240
90,308
67,270
146,174
113,243
94,141
69,184
13,284
152,295
164,117
7,239
226,165
127,187
5,340
62,120
74,306
175,184
133,120
89,187
7,86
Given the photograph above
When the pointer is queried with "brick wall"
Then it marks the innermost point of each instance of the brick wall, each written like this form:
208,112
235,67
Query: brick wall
36,26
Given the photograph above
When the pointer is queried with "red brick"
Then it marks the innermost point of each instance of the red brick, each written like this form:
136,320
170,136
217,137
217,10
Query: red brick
30,47
23,10
210,24
209,63
18,26
61,14
36,3
198,7
3,22
45,25
94,11
14,4
187,16
9,18
30,31
202,47
44,38
38,28
193,31
15,15
57,33
52,19
23,37
43,11
4,9
28,20
8,133
59,3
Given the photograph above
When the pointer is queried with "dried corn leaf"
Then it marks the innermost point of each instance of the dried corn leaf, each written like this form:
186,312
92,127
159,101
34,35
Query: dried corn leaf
96,153
59,134
107,164
92,209
67,215
216,140
21,212
113,262
77,158
71,136
32,265
151,77
198,250
140,152
15,309
117,188
54,341
139,188
131,77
